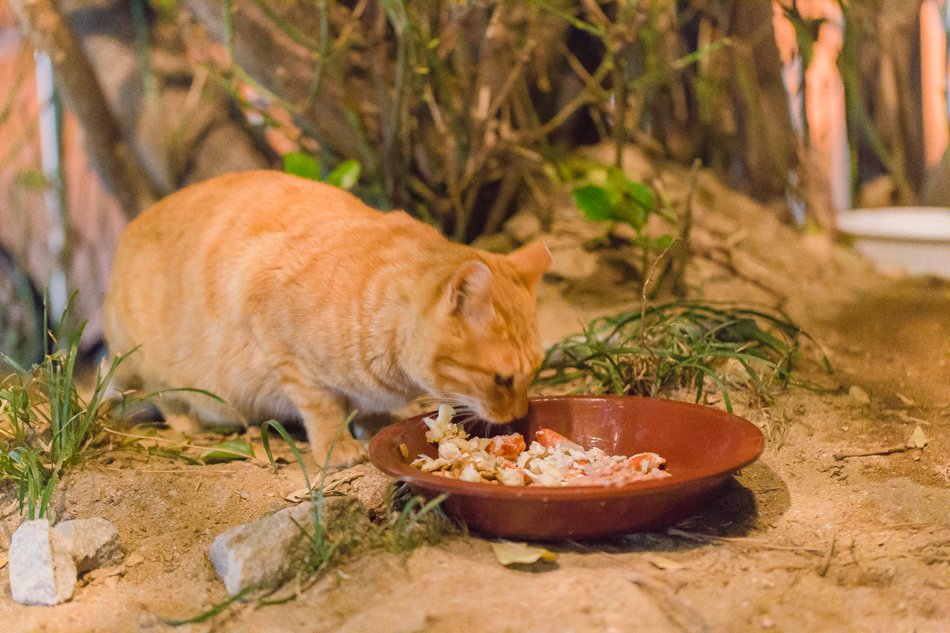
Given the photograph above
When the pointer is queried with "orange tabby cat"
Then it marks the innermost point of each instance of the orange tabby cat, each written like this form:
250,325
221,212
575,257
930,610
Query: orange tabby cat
292,299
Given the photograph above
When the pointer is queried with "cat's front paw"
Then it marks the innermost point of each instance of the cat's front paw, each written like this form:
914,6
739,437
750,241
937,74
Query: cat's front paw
346,451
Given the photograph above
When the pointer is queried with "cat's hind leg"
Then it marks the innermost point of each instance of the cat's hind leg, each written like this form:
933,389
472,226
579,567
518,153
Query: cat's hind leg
203,409
178,416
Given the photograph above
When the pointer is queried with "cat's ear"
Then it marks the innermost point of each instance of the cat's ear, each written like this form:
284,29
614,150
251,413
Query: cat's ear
469,291
531,261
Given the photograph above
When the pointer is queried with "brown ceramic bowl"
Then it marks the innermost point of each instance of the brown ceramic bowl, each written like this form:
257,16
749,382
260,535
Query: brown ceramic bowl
702,447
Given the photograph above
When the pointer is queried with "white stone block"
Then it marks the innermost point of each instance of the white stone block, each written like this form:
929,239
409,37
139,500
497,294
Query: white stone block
42,570
262,552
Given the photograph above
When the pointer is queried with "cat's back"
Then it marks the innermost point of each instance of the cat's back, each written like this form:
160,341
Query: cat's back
184,263
200,237
243,203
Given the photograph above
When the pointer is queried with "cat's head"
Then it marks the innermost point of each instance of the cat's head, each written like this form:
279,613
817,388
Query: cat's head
481,343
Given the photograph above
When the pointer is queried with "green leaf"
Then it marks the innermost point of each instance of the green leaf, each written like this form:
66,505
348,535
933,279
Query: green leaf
228,451
594,202
642,195
301,164
345,175
662,242
631,213
616,184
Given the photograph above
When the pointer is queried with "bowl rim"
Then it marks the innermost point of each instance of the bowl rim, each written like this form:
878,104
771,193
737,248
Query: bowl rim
378,448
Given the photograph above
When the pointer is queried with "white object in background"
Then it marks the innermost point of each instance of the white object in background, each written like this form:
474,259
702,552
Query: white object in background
912,239
50,128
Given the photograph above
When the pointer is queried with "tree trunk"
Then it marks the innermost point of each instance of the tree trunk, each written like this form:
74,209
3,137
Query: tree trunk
761,100
49,32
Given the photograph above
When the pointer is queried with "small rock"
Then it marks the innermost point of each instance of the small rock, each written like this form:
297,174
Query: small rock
364,482
263,553
859,395
42,570
572,263
104,572
134,559
523,227
93,542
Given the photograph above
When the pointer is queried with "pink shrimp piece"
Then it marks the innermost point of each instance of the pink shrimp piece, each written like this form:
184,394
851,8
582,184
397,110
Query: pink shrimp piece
508,446
645,462
548,438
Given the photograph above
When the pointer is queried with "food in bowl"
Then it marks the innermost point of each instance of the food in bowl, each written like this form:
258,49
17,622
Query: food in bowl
550,460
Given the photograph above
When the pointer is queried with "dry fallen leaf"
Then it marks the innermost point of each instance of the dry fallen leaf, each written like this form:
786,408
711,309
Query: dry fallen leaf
8,509
511,553
911,419
859,395
298,495
331,483
907,401
917,439
661,562
228,451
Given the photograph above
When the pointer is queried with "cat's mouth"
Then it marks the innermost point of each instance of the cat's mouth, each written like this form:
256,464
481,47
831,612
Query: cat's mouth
504,417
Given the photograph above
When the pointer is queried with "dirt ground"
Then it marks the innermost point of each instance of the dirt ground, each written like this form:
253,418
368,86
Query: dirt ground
799,541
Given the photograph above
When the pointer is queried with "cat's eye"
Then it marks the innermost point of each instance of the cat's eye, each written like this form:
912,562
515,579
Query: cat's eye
504,381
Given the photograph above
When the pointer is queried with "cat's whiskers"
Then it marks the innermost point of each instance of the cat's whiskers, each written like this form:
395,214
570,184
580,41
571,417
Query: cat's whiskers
447,395
456,400
436,399
465,419
428,401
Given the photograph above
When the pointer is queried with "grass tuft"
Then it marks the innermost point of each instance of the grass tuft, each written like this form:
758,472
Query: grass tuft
409,521
681,344
46,427
344,532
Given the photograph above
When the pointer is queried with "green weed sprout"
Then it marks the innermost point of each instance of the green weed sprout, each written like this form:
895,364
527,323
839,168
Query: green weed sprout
679,344
620,200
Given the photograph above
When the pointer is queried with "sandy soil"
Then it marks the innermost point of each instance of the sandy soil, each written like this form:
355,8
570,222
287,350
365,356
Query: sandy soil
799,541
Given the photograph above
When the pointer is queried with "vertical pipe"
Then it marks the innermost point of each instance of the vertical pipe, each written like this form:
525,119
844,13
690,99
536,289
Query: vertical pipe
50,128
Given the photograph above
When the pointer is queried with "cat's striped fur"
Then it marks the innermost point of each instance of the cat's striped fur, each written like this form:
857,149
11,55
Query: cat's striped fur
292,299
